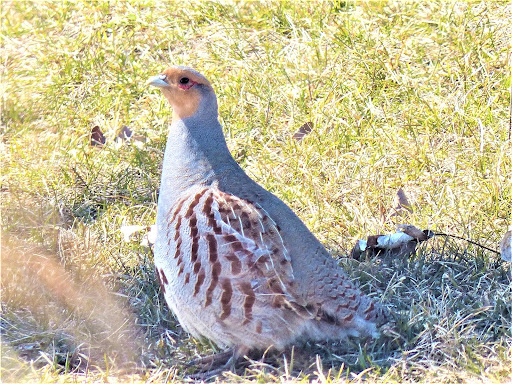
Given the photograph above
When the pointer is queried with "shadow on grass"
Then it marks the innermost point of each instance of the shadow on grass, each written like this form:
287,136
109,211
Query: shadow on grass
452,308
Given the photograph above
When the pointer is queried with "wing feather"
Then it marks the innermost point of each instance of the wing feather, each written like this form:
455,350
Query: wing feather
244,253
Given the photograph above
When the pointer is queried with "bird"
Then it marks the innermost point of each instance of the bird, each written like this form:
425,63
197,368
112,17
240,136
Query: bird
236,265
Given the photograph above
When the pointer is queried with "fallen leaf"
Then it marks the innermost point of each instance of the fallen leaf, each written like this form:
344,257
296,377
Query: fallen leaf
403,201
303,131
402,205
414,232
148,238
402,243
358,249
125,133
382,211
97,138
393,241
129,231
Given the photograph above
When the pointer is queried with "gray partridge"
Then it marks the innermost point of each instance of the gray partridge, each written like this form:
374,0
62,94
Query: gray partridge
235,264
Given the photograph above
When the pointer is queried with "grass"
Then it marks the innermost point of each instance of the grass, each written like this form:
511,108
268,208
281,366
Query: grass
411,95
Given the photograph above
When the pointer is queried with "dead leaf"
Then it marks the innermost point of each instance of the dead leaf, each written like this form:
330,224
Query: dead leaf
393,241
148,232
129,231
358,249
150,237
402,243
125,133
403,201
414,232
382,212
303,131
97,138
402,205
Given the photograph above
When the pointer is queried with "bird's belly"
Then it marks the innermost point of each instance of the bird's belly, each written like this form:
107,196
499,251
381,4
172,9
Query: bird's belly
197,302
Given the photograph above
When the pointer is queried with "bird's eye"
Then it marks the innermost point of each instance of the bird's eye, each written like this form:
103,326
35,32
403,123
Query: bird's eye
184,80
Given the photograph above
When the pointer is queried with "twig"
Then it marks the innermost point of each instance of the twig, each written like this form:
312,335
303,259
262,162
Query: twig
469,241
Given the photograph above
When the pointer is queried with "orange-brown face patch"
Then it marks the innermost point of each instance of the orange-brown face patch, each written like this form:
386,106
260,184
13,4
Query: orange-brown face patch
184,100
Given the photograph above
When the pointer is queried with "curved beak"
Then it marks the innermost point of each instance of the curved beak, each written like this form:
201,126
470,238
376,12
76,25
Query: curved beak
158,81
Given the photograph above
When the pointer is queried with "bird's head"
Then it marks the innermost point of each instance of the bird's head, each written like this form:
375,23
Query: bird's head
185,89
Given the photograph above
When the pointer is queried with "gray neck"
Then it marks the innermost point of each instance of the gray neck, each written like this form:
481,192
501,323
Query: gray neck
196,153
